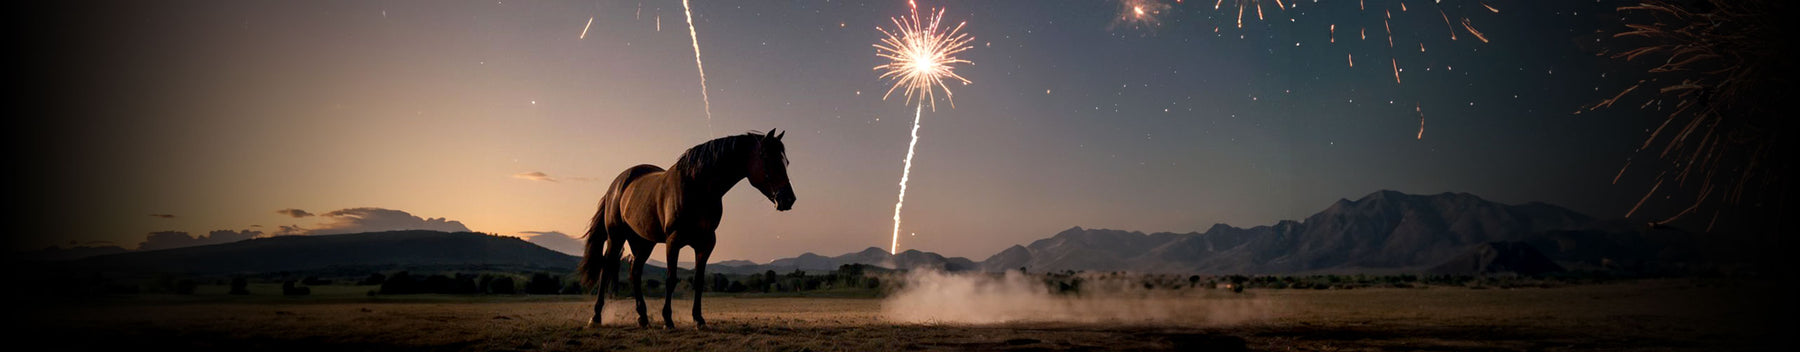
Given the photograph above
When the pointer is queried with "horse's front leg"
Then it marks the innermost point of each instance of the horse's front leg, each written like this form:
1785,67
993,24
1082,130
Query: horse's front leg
674,255
701,252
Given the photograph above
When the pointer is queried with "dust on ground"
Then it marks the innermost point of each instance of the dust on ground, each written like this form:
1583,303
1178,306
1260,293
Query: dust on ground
1669,315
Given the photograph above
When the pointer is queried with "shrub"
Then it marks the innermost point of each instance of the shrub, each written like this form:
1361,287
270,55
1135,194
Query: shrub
314,281
288,289
373,279
399,284
240,286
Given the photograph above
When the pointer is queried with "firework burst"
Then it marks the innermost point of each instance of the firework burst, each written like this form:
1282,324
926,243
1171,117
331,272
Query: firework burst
1713,77
1140,14
921,56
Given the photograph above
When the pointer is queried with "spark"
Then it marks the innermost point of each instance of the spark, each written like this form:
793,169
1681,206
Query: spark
1388,28
1241,4
697,64
584,28
1471,28
1447,23
921,57
1396,70
1421,120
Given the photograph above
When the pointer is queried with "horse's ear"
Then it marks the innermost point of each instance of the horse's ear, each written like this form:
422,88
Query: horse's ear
771,134
783,134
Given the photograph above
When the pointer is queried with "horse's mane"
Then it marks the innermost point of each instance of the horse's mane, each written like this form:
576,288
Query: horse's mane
698,159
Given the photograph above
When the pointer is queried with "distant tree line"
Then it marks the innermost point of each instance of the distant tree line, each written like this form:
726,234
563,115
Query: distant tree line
402,283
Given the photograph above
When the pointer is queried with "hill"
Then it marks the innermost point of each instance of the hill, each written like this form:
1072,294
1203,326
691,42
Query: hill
394,249
910,259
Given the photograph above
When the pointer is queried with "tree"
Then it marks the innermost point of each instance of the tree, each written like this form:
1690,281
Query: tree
502,286
399,284
373,279
542,284
719,283
240,286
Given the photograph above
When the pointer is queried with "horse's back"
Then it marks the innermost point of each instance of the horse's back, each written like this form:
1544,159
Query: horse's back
631,174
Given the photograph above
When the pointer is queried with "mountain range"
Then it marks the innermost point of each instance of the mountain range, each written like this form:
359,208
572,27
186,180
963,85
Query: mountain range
375,250
1383,232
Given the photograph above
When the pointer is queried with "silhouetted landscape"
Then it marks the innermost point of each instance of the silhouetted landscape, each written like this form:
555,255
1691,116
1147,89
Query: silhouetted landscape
921,175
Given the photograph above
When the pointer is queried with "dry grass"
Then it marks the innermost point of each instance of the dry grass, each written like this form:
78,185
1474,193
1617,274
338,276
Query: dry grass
1659,315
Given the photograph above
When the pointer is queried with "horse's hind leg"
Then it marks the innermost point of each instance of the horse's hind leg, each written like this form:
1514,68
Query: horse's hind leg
613,250
701,252
673,252
640,254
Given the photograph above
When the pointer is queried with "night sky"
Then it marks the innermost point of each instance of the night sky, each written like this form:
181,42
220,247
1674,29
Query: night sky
500,116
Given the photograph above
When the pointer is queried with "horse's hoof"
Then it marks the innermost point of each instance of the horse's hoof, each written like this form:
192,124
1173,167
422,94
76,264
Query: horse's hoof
701,326
592,325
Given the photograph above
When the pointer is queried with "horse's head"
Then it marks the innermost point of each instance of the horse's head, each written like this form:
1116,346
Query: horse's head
768,170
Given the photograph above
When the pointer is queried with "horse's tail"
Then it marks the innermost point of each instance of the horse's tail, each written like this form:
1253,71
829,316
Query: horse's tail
593,261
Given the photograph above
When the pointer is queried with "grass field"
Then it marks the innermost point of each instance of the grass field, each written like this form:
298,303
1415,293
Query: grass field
1671,315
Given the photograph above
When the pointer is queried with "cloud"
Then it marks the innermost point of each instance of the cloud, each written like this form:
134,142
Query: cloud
356,220
165,216
290,230
178,239
556,241
296,213
534,176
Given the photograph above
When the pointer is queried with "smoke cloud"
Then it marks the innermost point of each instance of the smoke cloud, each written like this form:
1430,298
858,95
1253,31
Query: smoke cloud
982,298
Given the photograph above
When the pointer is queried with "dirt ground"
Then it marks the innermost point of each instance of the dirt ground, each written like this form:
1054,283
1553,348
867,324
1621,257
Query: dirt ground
1666,315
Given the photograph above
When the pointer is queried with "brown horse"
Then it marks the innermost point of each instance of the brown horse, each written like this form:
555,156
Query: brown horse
646,205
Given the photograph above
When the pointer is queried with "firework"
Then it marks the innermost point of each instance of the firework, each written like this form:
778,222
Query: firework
697,64
921,55
1140,14
1715,60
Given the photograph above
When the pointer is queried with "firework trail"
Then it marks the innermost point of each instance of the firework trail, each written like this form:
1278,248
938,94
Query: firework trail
920,55
697,64
894,246
584,28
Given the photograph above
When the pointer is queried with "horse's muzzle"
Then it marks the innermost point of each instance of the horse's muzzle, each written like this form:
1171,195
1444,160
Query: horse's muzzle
784,199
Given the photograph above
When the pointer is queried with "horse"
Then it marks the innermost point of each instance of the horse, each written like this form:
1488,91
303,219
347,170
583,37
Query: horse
680,206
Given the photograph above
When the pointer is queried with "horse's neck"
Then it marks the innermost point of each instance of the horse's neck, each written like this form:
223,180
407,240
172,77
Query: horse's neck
714,181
